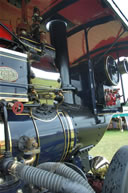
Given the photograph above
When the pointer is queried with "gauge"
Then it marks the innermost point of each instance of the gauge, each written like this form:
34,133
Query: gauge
111,70
123,66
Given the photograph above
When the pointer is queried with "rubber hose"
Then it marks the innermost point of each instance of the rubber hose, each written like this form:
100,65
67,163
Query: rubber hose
48,180
67,172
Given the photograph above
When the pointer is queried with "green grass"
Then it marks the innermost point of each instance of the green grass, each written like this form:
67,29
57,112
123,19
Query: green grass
110,143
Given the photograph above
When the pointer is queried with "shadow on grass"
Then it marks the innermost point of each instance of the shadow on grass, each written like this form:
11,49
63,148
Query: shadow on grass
110,143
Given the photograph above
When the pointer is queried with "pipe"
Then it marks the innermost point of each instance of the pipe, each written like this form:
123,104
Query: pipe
58,36
30,161
45,179
14,36
67,172
3,104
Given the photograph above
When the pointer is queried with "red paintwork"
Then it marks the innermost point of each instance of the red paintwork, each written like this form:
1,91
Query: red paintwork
17,108
84,11
4,34
111,97
78,13
108,42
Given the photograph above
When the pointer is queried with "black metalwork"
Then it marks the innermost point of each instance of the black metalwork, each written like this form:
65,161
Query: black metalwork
91,75
90,25
121,79
103,48
59,41
58,122
107,51
57,8
3,105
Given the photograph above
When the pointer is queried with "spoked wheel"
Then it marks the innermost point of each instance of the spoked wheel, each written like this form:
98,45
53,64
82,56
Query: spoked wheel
116,180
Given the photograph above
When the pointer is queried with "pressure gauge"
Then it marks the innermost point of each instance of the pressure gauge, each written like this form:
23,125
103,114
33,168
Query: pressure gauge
111,70
106,72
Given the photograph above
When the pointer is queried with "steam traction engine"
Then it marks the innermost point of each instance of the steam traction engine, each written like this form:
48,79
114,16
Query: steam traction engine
49,120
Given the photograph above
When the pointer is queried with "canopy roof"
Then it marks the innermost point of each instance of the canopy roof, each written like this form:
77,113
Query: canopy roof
91,15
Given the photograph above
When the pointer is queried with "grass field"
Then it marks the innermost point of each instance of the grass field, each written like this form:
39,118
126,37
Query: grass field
111,141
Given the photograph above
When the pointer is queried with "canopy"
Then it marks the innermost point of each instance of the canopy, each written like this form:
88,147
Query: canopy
93,16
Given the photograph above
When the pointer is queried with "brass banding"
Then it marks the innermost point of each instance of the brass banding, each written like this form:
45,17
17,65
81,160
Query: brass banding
65,138
13,93
14,98
12,57
32,47
34,117
68,144
29,40
38,138
72,132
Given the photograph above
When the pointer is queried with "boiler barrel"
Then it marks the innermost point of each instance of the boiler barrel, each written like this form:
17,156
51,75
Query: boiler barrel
55,137
58,135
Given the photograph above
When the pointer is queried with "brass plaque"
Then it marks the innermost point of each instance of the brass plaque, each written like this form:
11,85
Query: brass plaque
8,74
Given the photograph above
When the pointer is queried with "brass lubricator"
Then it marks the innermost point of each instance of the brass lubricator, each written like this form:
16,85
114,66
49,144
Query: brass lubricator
29,147
99,166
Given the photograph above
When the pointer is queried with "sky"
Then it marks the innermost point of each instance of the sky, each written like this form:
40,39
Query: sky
123,5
